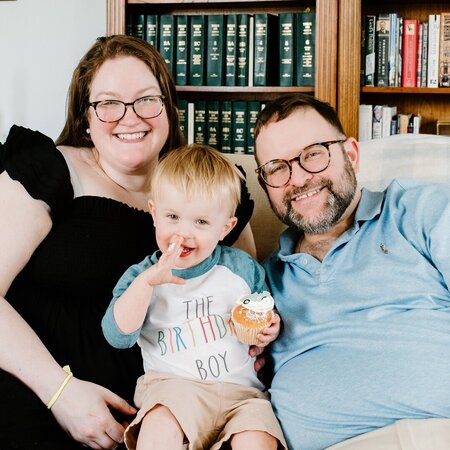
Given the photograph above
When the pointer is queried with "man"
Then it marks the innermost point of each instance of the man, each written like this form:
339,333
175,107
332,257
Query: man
361,282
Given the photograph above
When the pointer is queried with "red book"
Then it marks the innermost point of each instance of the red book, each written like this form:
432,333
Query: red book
409,57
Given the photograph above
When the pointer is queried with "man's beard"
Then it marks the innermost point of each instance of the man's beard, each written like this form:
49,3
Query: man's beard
339,198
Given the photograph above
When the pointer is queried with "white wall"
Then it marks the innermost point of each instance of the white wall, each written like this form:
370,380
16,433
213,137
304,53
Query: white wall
41,42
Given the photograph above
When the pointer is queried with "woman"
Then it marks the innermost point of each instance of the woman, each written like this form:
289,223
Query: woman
72,220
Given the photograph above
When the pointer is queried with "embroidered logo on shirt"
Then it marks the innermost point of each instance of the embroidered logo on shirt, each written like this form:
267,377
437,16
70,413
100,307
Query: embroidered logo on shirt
384,249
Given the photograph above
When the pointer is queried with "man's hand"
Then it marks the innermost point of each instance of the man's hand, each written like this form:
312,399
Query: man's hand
82,410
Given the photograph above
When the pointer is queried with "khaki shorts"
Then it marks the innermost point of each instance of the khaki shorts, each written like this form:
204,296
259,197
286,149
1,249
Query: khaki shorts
407,434
209,412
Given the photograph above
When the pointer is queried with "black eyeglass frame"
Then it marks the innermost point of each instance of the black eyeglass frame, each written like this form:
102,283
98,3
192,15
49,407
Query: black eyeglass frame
326,144
126,104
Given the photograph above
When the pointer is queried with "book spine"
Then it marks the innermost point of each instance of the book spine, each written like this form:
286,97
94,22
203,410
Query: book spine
382,49
225,126
392,48
265,49
369,50
444,51
419,55
286,48
243,36
238,127
183,117
231,46
365,123
305,25
152,30
166,39
181,50
197,50
212,123
400,52
200,122
423,81
190,123
377,117
138,26
215,49
434,21
253,109
410,43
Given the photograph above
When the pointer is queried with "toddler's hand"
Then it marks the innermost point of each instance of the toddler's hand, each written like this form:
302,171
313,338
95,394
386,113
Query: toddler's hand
270,333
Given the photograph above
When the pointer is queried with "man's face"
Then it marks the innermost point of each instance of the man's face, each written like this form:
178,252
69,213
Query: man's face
311,202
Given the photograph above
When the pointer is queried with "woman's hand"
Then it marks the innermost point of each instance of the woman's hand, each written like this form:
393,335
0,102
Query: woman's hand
83,411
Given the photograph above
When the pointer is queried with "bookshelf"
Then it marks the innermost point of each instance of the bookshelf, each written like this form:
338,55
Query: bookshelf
326,41
432,103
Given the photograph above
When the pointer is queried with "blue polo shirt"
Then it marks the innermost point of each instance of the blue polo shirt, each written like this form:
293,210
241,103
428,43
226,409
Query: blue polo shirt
366,337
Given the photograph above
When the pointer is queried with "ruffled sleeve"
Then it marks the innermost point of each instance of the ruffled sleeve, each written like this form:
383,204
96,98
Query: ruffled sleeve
243,213
33,159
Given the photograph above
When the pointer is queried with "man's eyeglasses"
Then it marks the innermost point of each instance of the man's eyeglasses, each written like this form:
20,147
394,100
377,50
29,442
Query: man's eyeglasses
114,110
313,159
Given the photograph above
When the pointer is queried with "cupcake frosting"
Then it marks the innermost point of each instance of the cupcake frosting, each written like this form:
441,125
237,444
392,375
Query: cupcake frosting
258,302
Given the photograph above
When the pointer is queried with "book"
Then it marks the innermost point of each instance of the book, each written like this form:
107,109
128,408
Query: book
286,48
183,117
393,43
305,35
215,35
152,30
197,36
369,50
388,114
403,122
213,123
231,46
225,126
190,123
434,29
365,122
243,39
167,39
410,45
377,117
200,122
181,50
238,126
419,55
398,76
265,49
444,50
138,25
382,49
253,109
423,81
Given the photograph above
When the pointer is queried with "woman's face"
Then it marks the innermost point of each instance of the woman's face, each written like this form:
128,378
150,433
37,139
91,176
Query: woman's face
132,144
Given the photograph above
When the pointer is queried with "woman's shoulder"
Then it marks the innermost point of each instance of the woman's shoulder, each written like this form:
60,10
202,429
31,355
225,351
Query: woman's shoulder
32,158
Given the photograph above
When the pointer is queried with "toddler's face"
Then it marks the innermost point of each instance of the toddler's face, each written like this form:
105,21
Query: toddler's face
201,222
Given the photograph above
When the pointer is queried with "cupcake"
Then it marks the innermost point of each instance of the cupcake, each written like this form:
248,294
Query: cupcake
251,315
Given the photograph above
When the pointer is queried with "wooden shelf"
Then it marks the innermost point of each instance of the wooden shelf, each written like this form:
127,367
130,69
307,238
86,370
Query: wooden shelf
402,90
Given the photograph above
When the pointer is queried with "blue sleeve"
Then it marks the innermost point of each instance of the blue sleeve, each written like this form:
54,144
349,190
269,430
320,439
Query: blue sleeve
111,331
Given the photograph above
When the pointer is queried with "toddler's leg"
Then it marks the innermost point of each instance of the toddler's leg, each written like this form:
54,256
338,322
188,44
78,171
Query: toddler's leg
160,430
253,439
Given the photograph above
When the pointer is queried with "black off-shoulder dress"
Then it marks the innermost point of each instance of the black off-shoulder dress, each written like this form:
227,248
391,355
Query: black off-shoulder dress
67,285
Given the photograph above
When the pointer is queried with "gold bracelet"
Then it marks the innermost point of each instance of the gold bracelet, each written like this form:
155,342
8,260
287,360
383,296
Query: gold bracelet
63,385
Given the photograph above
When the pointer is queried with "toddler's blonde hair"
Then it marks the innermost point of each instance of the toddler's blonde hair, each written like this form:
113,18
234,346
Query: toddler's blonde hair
198,171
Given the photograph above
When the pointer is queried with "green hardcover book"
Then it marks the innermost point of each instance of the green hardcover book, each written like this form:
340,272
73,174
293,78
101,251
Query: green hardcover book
212,123
129,25
167,39
225,126
181,50
215,49
239,127
151,30
230,49
243,39
183,117
265,50
286,49
138,26
200,122
197,50
253,108
306,48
